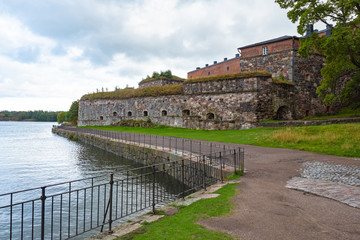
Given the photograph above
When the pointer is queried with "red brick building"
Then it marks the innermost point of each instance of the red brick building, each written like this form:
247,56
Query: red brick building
236,65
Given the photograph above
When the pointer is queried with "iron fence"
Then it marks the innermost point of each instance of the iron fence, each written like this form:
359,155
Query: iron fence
172,144
69,209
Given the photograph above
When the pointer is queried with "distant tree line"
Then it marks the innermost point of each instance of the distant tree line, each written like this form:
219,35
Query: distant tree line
71,115
41,116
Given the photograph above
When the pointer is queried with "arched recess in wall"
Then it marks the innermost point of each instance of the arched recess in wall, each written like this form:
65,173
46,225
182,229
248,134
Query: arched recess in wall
101,118
283,113
210,116
114,114
163,113
129,114
146,113
186,112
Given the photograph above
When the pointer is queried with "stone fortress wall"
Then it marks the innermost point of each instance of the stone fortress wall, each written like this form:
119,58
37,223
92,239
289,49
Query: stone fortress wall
226,104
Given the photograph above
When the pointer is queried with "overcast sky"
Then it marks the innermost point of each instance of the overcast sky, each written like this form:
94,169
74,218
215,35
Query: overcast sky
53,52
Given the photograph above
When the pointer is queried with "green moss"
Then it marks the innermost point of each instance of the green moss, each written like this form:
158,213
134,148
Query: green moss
173,78
154,91
230,76
282,80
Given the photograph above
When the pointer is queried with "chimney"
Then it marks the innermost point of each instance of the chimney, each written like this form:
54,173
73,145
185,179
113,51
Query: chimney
225,59
237,55
309,30
215,62
206,65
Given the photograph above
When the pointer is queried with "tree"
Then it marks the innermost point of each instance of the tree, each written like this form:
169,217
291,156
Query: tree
341,49
61,117
73,112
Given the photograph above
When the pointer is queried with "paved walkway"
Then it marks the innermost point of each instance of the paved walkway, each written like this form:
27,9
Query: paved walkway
267,209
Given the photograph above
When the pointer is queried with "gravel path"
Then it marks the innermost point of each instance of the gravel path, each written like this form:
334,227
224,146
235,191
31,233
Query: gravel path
266,209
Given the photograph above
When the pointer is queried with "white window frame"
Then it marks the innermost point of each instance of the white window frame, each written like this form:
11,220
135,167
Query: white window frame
265,50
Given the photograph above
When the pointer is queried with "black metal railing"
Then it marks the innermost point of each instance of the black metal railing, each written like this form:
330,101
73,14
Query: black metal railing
69,209
176,145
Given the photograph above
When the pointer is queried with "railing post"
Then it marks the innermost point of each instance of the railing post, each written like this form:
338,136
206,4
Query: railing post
183,178
111,200
43,198
153,190
190,149
204,174
182,153
221,167
234,161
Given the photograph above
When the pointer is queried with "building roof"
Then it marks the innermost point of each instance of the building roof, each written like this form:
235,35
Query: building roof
286,37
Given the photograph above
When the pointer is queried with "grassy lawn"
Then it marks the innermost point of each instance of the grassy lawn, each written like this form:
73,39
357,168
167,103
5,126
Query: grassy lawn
337,139
183,224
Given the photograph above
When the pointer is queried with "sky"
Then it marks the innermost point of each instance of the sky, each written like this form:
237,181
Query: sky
53,52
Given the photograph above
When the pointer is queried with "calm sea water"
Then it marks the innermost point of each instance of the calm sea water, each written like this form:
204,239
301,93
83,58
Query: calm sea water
32,156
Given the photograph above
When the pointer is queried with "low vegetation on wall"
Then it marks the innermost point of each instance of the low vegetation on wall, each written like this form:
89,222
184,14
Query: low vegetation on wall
230,76
154,91
281,80
167,75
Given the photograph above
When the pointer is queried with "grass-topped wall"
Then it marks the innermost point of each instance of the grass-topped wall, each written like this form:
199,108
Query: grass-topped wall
173,78
154,91
230,77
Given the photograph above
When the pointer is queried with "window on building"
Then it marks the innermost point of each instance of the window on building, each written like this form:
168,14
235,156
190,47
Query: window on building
227,68
114,114
145,113
265,50
186,112
208,73
101,118
129,113
163,113
210,116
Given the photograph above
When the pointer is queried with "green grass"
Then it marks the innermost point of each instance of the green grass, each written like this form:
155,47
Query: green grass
344,113
151,79
230,76
235,175
183,225
337,139
126,93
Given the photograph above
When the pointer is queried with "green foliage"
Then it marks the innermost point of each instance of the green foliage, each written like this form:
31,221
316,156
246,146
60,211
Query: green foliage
230,76
73,112
167,75
341,49
61,117
43,116
154,91
183,224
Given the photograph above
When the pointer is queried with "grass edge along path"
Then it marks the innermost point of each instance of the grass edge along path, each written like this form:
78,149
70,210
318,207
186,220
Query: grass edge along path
182,225
336,139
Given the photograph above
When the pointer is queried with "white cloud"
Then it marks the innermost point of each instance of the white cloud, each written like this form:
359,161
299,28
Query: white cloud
53,52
